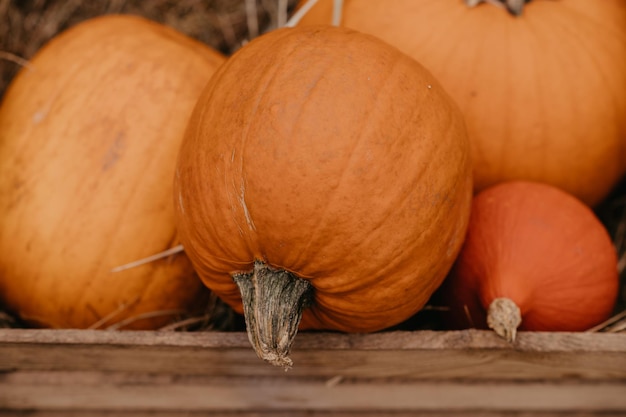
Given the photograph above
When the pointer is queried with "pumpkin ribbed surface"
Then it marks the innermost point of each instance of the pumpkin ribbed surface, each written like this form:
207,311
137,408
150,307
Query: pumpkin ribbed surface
89,134
329,154
543,94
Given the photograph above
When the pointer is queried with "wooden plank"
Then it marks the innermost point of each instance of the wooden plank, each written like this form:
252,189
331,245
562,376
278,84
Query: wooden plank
396,355
397,340
97,391
467,373
296,413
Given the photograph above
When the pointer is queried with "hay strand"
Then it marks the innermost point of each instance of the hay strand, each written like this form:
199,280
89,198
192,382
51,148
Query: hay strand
152,258
7,56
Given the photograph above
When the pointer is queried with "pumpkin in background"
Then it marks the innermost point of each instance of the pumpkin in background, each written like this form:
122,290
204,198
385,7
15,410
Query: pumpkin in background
89,134
543,94
322,168
534,257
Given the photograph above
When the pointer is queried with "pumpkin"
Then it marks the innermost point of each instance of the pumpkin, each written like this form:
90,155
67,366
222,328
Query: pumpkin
534,257
543,94
89,134
322,168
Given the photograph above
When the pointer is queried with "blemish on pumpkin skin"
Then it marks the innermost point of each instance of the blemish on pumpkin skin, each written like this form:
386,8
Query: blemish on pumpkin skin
39,116
246,212
44,109
181,206
451,249
180,203
114,152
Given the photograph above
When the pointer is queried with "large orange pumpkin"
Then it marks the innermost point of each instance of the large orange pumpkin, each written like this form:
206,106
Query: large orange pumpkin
322,162
543,94
89,134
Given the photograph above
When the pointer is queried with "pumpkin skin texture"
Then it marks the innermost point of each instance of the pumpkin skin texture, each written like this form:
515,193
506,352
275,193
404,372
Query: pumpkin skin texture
339,160
543,94
539,247
88,145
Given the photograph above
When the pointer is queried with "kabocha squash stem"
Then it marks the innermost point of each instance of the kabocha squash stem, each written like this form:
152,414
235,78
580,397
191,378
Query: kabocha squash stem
504,317
273,301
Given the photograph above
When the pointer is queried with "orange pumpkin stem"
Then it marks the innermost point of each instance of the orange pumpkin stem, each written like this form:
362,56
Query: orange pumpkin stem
504,317
273,301
515,7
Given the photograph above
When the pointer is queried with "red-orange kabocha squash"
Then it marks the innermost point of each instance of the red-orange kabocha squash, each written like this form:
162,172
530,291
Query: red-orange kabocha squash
89,134
322,168
535,258
543,94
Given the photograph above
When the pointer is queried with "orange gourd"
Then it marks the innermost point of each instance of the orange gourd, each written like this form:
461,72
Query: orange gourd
324,169
535,258
543,94
89,134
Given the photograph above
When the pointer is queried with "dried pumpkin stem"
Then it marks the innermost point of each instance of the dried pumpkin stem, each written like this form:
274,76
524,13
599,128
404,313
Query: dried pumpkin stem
273,301
515,7
504,317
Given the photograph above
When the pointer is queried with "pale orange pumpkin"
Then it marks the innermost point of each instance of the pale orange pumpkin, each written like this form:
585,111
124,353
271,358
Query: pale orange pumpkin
543,94
89,134
336,166
535,258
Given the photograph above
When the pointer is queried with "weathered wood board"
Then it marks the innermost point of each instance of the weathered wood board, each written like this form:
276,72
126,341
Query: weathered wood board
466,373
